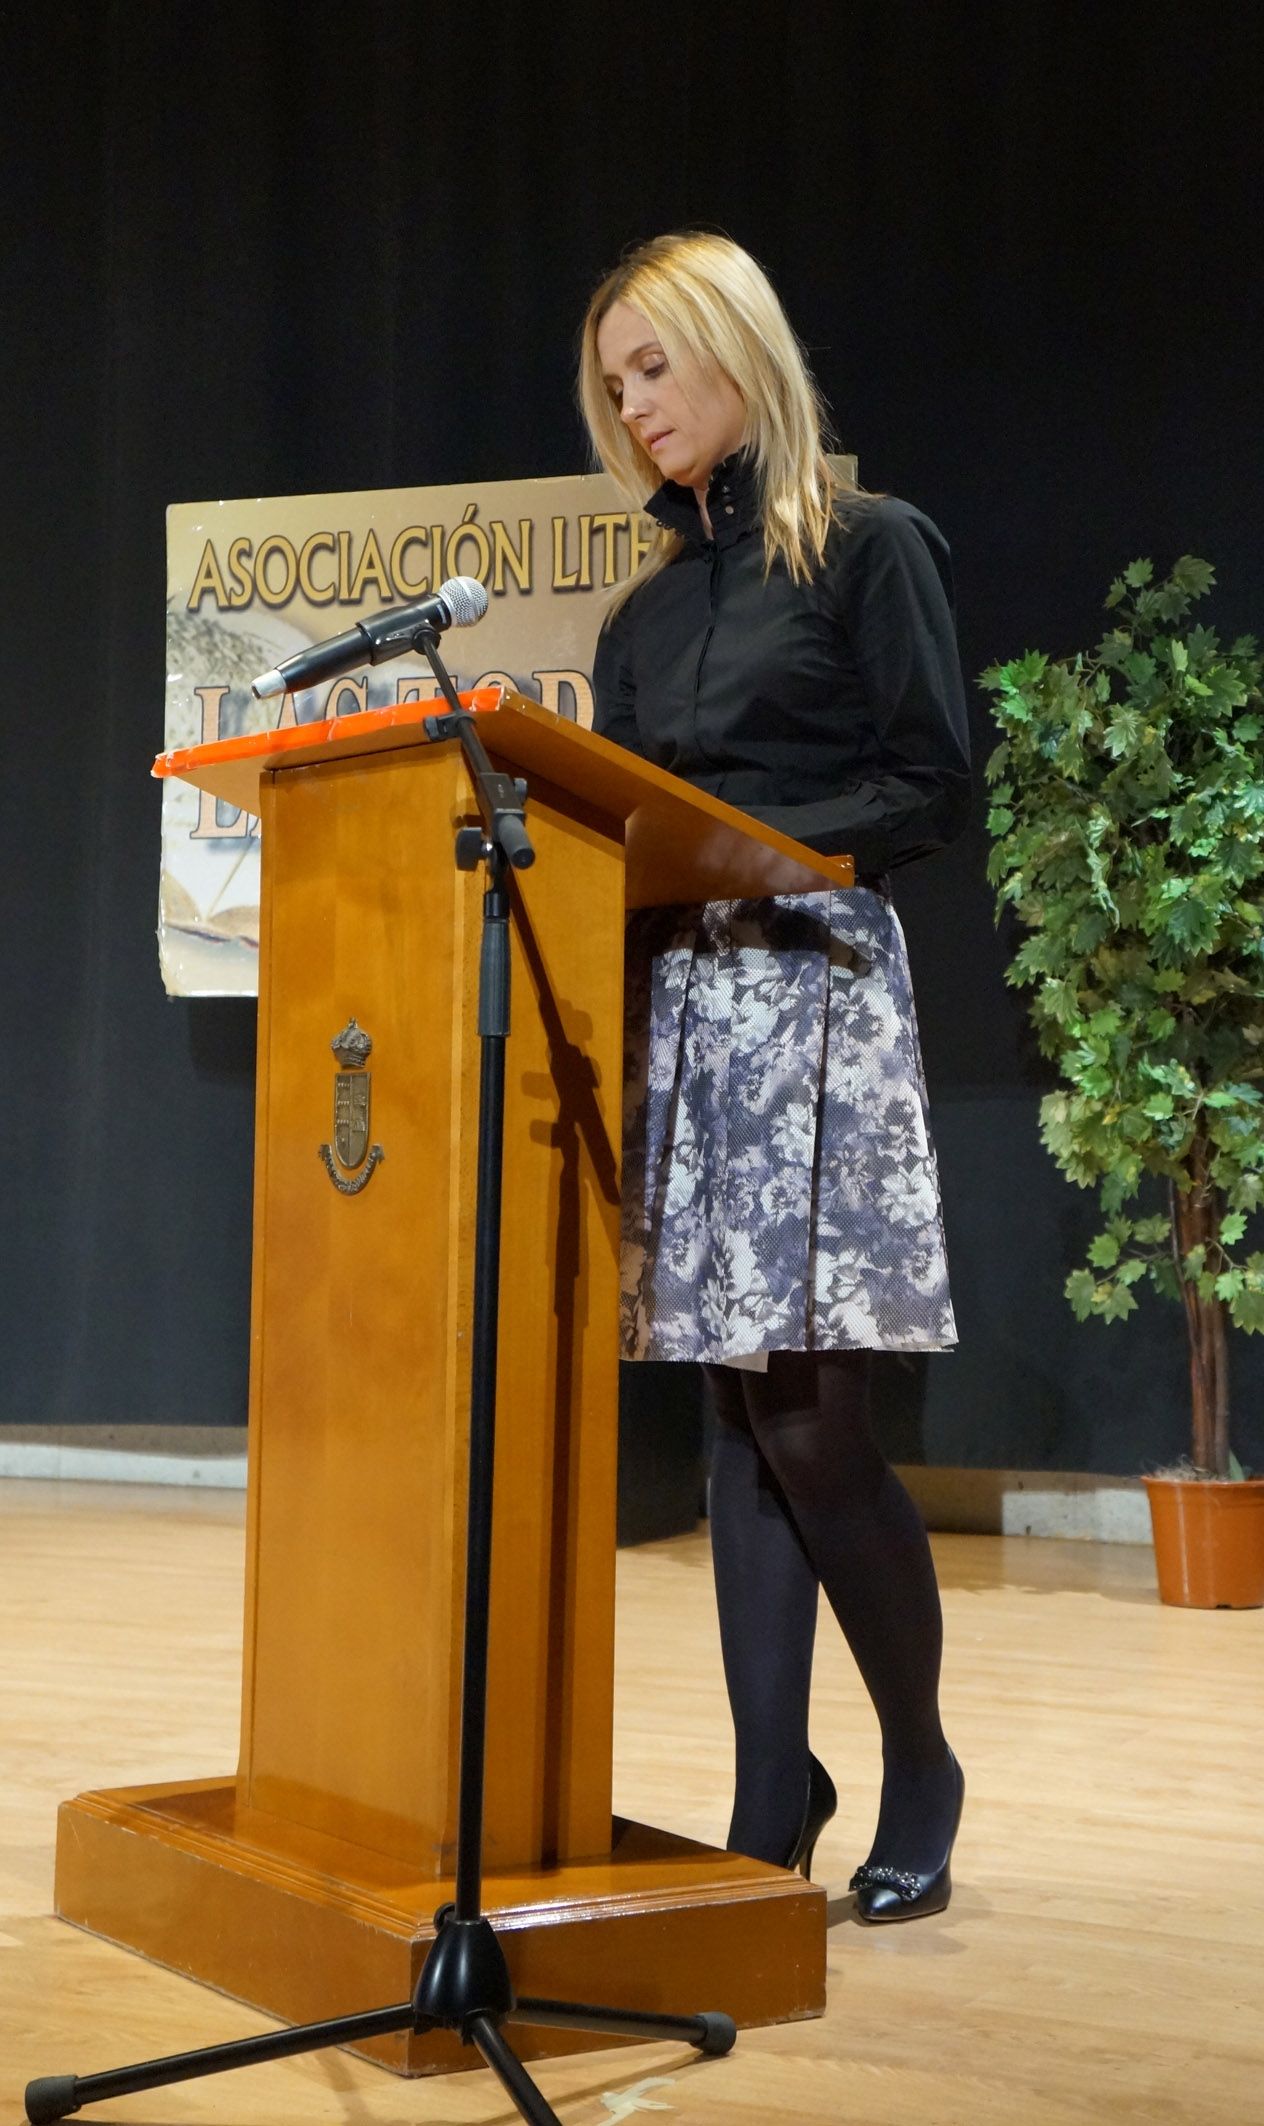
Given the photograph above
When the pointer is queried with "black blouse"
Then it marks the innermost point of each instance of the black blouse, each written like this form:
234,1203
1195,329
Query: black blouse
833,710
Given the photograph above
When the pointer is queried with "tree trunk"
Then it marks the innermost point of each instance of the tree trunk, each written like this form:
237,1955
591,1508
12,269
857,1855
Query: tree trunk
1196,1215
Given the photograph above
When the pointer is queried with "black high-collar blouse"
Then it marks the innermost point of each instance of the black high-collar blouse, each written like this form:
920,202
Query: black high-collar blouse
833,710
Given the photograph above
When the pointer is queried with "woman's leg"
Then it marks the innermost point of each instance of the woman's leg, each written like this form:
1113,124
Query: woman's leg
766,1593
810,1417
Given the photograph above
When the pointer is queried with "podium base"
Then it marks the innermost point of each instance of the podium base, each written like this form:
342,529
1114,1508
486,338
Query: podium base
304,1926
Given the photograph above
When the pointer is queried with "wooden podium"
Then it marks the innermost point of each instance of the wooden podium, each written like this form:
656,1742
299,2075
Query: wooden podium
306,1885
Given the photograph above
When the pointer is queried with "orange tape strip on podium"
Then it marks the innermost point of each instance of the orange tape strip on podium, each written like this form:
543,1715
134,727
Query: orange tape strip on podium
251,744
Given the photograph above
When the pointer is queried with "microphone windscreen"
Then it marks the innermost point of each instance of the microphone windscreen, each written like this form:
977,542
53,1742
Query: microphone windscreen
465,598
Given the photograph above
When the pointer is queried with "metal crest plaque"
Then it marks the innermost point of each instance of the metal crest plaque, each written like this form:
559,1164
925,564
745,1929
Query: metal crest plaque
351,1118
353,1089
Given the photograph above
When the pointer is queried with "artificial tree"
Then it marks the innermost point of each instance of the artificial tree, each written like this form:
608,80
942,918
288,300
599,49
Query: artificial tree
1128,819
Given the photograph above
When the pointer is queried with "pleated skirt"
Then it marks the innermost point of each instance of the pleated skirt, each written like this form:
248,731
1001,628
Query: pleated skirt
780,1189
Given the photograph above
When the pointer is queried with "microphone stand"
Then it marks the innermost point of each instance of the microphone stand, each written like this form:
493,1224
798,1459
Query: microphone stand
464,1983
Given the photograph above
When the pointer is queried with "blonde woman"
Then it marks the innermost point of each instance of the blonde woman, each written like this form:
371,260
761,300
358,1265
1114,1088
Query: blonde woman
788,645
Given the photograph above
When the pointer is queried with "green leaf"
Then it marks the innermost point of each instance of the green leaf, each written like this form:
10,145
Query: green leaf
1164,1278
1234,1096
1160,1025
1124,732
1247,1192
1192,925
1192,576
1104,1253
1080,1286
1026,670
1232,1228
1246,1311
1104,1023
1138,573
1187,822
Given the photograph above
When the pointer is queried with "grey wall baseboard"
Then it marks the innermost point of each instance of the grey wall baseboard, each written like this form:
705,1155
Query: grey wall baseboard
1086,1509
210,1455
1044,1502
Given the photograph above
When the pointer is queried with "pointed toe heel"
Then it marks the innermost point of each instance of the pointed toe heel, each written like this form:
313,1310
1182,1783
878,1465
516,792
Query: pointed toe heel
821,1804
884,1893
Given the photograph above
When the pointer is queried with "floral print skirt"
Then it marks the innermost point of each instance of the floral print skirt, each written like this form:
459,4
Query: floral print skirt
779,1181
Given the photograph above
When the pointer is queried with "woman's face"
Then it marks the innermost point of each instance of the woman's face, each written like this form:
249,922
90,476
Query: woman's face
685,423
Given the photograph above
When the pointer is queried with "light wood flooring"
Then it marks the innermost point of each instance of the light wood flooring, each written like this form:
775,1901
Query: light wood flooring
1102,1959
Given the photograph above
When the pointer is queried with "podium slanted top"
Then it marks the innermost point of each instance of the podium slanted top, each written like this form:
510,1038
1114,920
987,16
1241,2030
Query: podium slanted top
681,844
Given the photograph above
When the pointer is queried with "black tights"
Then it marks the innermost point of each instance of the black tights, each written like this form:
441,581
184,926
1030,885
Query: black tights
802,1497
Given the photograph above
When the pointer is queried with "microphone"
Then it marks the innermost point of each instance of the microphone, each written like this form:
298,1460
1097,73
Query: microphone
457,603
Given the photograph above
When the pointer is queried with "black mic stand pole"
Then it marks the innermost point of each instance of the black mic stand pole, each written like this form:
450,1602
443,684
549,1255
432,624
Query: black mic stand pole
464,1983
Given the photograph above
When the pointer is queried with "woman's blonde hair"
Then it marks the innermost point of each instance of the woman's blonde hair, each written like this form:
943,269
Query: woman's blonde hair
710,304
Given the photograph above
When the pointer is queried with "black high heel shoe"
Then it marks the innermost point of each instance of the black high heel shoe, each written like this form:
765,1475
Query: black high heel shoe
820,1806
886,1893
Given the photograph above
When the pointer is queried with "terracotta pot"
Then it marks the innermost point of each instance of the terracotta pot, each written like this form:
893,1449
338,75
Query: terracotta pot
1208,1541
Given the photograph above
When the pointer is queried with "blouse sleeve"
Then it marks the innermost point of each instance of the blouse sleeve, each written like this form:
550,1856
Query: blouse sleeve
614,688
893,592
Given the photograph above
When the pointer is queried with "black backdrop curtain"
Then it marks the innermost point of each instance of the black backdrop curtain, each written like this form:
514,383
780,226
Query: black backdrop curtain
260,251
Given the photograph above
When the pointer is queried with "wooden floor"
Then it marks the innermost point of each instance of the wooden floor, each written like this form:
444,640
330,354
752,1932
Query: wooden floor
1102,1960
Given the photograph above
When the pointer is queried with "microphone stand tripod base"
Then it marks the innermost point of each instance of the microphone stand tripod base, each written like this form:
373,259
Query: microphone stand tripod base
303,1926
